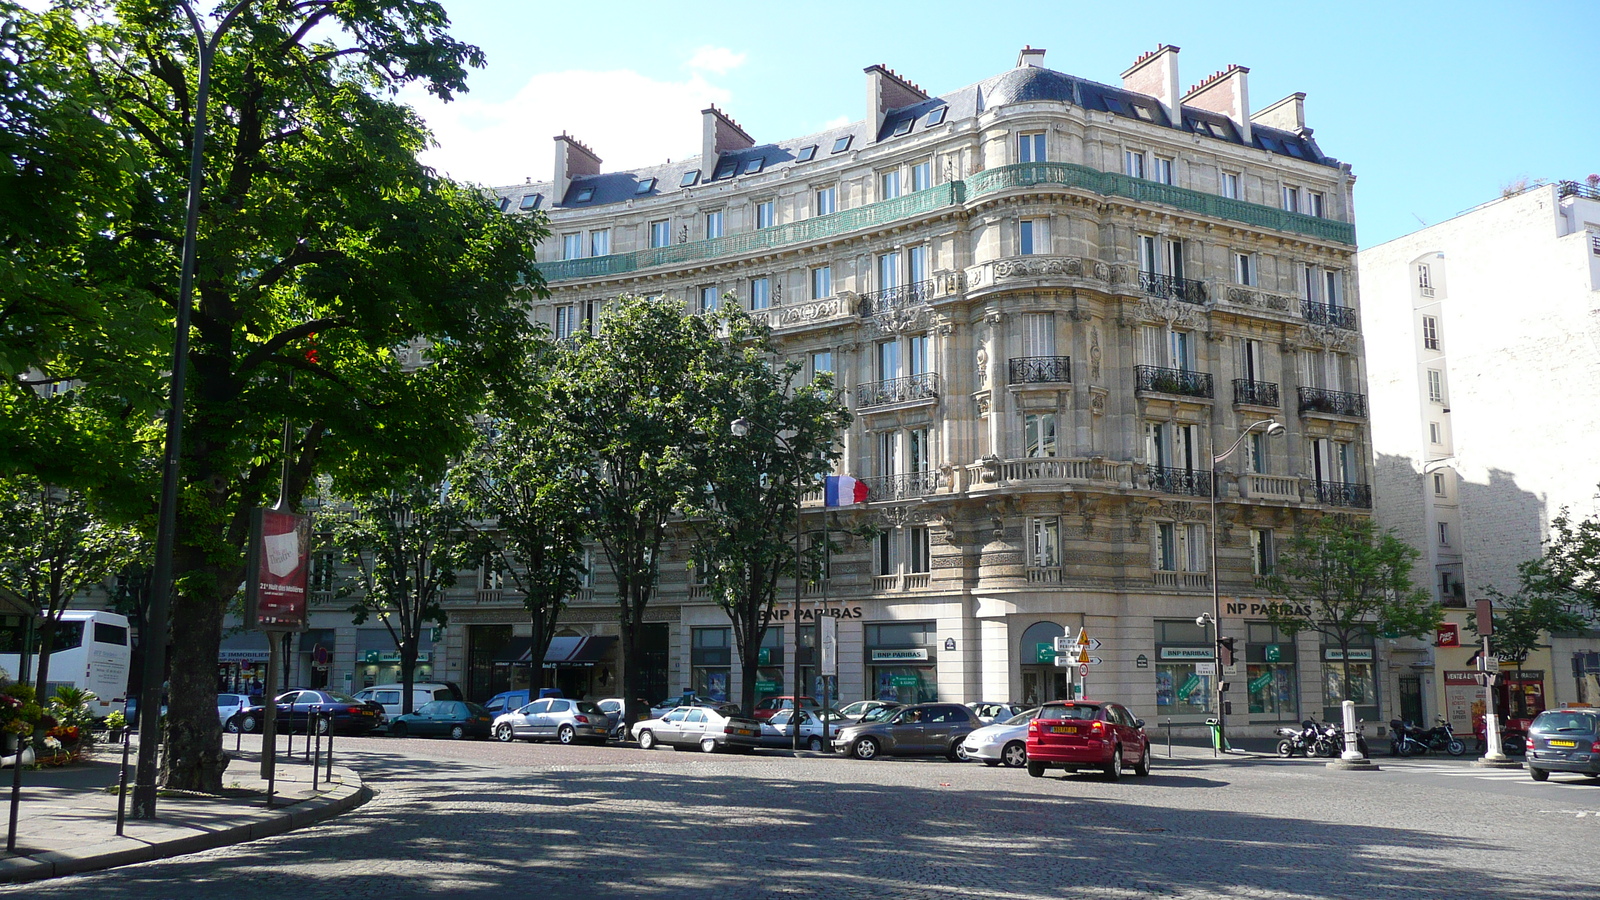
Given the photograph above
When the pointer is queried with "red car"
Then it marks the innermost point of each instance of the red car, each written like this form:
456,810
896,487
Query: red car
770,706
1084,734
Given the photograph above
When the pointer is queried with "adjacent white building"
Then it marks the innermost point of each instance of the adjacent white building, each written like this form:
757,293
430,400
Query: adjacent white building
1484,364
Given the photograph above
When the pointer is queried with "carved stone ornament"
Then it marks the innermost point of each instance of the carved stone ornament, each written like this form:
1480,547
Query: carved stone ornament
1177,510
1094,356
958,561
980,366
1175,312
983,403
683,234
815,311
1326,336
900,516
1117,274
1097,403
777,292
1243,296
902,320
975,276
1033,267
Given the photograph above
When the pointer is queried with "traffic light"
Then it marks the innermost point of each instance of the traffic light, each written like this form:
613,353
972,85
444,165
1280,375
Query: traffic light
1225,650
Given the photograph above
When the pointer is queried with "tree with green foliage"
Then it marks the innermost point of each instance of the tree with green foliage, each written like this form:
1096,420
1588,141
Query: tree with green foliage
53,546
1344,579
520,484
1569,568
1522,621
403,548
340,283
630,399
744,520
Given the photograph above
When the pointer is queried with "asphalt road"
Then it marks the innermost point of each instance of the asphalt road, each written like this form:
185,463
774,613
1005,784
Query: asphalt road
475,819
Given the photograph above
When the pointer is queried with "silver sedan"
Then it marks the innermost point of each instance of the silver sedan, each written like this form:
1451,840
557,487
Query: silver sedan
779,732
1003,742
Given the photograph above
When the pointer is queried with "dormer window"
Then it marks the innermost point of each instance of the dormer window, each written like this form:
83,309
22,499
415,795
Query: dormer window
529,201
843,144
725,169
904,126
585,194
1143,112
806,154
689,178
937,116
752,166
645,186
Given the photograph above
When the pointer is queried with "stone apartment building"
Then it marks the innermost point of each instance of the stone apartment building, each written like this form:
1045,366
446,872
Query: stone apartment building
1485,342
1045,300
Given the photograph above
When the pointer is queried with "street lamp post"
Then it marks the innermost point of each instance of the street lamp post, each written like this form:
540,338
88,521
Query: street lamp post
1274,428
741,427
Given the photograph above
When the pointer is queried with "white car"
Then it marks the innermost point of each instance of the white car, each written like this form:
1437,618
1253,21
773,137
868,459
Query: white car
565,720
1005,742
992,713
697,726
228,705
777,732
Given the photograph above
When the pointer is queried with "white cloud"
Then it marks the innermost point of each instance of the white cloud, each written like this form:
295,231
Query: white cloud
629,120
838,122
719,60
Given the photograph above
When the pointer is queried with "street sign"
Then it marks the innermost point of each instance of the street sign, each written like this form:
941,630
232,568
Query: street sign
1064,660
1490,663
1205,668
1083,671
1083,654
1043,653
1063,644
1090,660
1083,638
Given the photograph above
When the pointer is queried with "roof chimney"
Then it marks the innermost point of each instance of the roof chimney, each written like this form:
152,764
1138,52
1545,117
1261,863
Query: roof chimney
1226,92
718,134
886,91
1032,56
572,158
1156,74
1288,114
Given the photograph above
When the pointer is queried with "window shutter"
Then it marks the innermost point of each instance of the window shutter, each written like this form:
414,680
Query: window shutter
1154,346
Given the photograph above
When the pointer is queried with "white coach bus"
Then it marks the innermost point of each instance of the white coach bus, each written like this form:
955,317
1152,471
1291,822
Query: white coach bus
91,652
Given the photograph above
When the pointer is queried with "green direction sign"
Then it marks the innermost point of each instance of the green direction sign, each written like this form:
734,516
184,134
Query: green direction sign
1044,653
1189,686
767,687
1260,682
1273,653
904,680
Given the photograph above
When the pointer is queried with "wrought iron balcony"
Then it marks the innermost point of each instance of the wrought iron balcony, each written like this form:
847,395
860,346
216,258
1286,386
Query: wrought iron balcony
1041,369
1337,403
1255,393
1172,381
1193,482
1186,290
1329,314
898,390
1342,493
879,302
902,487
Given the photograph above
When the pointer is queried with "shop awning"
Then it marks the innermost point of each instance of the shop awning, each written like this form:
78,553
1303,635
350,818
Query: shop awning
563,651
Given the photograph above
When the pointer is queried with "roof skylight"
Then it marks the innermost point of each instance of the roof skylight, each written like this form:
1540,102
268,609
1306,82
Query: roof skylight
530,201
689,178
806,154
585,194
904,125
752,166
645,186
936,117
843,144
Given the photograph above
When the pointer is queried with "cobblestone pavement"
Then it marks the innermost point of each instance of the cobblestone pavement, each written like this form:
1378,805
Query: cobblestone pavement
480,819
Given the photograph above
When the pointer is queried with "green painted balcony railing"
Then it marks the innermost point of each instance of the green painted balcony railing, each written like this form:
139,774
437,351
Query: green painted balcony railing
843,222
934,198
1118,185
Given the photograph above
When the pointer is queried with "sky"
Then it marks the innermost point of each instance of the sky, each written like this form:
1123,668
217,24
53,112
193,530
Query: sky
1437,106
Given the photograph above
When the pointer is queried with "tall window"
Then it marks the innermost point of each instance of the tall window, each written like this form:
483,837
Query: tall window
821,361
1172,250
888,271
919,451
1170,446
1331,461
889,184
917,262
826,200
888,360
1251,360
1438,484
1170,349
708,298
1315,204
764,213
1038,334
922,176
888,553
572,245
1163,170
490,578
1436,385
322,569
760,293
821,282
1039,434
889,453
1291,198
1444,534
1424,277
660,233
1263,558
600,242
1435,433
1330,287
1044,543
1166,549
714,224
1256,453
566,321
1148,261
917,354
1310,284
1197,553
920,549
1244,269
1430,332
1230,185
1030,236
1133,163
1030,147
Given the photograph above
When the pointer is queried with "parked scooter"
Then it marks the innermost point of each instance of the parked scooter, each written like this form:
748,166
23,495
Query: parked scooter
1299,741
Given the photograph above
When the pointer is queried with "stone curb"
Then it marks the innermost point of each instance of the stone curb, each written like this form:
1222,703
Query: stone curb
125,851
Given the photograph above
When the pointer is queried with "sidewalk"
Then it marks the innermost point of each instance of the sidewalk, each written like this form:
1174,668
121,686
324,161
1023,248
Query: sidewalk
67,820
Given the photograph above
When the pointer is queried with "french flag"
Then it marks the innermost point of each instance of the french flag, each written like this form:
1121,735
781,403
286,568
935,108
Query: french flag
842,490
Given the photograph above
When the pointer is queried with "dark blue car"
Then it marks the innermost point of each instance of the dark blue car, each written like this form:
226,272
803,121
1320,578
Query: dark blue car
297,707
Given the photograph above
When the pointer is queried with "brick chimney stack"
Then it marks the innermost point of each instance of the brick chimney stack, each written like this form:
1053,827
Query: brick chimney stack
719,134
1226,92
572,158
885,91
1156,74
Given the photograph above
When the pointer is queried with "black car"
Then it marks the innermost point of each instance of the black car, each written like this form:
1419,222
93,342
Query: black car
297,707
1564,740
456,718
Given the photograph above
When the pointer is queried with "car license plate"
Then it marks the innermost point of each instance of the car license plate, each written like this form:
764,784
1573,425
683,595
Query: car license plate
1064,729
1563,743
746,731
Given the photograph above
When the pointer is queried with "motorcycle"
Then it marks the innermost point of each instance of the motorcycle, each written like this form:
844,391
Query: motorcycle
1330,742
1413,740
1298,741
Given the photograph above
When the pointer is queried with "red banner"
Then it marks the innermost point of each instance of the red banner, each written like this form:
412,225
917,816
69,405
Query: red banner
280,557
1448,635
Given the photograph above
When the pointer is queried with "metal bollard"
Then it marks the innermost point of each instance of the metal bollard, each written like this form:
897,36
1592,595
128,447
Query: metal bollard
1169,737
122,785
329,776
316,761
238,733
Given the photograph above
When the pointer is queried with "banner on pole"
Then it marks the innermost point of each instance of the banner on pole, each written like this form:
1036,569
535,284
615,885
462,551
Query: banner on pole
277,570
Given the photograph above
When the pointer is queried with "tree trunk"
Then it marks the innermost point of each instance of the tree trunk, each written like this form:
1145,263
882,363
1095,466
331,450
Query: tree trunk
47,645
193,759
408,670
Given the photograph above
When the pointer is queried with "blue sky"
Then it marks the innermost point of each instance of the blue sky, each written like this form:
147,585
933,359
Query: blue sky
1436,105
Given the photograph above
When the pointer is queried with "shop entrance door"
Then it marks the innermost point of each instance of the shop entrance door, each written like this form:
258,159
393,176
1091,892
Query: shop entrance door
1041,684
